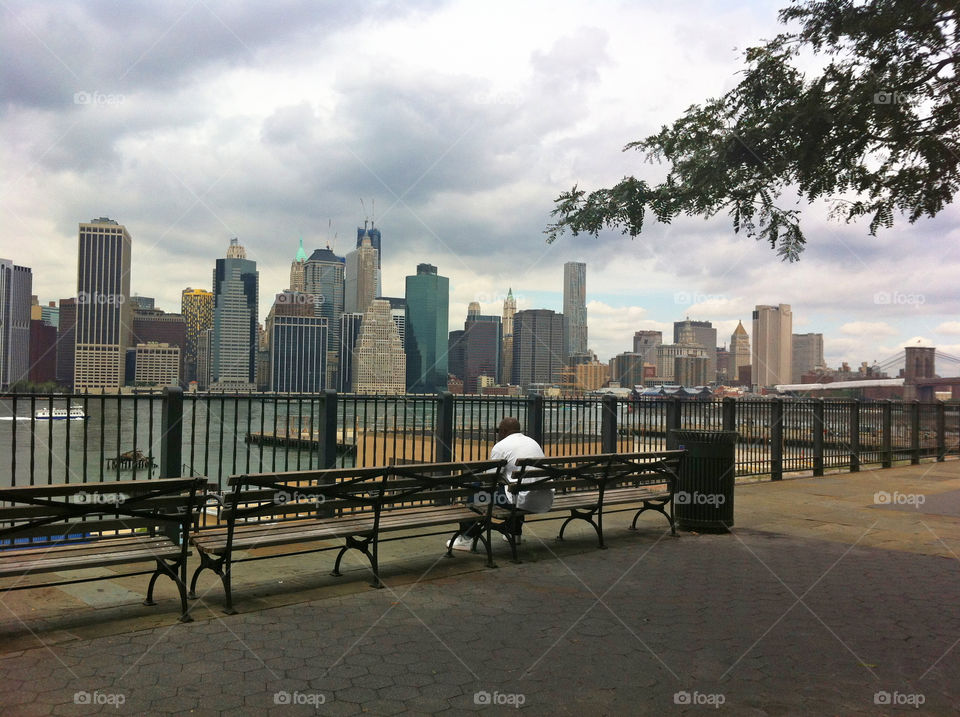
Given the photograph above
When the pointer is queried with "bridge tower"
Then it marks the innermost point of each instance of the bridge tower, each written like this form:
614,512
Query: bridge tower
919,365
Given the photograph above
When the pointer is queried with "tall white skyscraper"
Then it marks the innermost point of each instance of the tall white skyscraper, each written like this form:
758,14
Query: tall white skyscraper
379,363
104,314
772,362
574,308
506,353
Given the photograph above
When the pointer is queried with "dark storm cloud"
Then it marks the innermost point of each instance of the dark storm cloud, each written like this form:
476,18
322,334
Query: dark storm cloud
53,50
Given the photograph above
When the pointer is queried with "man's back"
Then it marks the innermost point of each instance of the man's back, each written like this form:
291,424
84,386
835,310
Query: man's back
511,449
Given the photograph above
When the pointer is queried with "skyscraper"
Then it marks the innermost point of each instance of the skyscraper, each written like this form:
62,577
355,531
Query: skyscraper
297,345
645,343
66,342
456,354
481,338
574,308
16,283
509,309
298,269
704,336
233,346
323,277
739,349
374,235
428,298
807,355
349,333
103,306
379,363
361,277
196,306
537,346
398,308
157,326
772,362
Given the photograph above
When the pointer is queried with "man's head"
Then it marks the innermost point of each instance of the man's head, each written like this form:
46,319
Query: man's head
508,426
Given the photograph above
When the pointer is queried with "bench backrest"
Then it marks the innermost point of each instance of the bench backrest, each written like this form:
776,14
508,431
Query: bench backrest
303,494
598,472
73,512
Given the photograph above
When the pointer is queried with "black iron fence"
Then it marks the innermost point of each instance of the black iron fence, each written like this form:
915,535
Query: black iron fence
122,437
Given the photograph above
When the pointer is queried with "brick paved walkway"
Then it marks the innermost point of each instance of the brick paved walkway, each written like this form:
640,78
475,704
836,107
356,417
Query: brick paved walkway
758,623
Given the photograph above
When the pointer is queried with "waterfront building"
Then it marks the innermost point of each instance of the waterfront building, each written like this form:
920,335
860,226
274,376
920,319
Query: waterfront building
361,277
428,297
158,327
645,343
103,325
156,365
349,333
702,334
574,308
481,348
807,355
196,307
43,352
16,283
66,343
233,346
739,349
772,360
323,278
538,352
509,310
296,341
379,362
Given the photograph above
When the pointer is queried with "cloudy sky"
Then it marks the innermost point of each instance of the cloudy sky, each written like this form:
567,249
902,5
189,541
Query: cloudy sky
457,123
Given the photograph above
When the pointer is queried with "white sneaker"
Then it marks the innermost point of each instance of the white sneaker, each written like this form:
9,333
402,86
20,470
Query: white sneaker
517,538
461,543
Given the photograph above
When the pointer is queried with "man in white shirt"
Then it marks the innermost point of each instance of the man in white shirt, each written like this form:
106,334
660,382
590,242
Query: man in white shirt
511,446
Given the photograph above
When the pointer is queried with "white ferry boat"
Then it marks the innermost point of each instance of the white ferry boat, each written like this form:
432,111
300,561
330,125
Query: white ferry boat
61,414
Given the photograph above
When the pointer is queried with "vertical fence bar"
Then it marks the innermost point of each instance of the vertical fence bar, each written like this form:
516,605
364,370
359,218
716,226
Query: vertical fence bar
608,425
886,452
941,422
855,435
776,440
914,433
535,419
672,421
328,430
443,430
818,431
729,414
171,435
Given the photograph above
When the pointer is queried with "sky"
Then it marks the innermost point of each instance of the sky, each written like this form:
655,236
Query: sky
457,124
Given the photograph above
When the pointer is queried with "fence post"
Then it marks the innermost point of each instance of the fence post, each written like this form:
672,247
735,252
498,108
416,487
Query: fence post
776,439
443,433
914,433
729,414
171,432
608,425
819,413
672,421
535,419
855,435
328,430
886,453
941,431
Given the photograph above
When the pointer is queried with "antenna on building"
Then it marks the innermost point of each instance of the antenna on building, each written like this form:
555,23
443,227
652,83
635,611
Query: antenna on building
373,212
365,217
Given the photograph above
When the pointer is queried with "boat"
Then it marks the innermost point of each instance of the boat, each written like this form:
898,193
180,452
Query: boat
61,414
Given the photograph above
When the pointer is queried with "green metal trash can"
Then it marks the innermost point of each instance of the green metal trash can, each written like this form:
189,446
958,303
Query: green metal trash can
704,498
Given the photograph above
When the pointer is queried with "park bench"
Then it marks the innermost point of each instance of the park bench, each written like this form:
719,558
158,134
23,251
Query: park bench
57,528
587,485
352,508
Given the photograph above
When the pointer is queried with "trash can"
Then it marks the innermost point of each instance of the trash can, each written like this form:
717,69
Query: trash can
704,498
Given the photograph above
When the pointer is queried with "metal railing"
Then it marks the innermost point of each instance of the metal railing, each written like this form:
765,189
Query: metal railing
162,435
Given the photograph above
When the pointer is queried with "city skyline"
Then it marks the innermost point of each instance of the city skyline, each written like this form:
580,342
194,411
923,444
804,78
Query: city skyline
367,113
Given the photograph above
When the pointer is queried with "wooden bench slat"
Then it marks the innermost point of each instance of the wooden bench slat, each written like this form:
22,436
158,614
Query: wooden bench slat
41,565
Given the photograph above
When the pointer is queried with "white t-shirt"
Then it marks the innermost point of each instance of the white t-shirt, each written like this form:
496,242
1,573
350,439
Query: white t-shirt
511,448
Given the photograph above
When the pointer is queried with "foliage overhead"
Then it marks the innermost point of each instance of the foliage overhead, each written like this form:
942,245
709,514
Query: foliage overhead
876,133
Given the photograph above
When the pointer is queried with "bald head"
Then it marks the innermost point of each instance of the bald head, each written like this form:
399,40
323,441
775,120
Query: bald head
508,426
